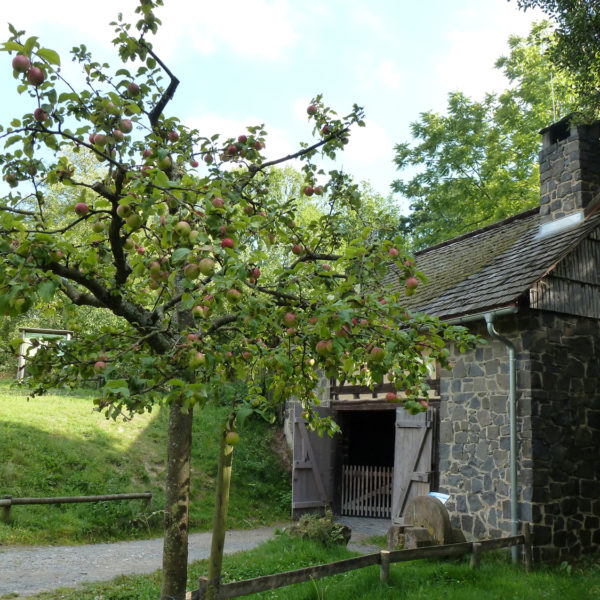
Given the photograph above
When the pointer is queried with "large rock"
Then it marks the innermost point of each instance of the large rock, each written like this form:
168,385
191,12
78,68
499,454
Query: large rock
430,513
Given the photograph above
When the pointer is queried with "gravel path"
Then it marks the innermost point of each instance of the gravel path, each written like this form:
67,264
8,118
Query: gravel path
28,570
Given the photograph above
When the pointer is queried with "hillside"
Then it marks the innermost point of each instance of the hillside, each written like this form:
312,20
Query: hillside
57,445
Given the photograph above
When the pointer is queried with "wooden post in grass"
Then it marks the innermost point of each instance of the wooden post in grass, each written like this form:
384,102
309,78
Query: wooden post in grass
215,562
384,566
476,556
527,554
6,509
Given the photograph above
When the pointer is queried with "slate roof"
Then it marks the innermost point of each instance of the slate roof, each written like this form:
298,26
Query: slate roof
491,267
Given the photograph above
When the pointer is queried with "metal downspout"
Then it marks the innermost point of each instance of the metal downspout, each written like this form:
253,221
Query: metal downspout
512,395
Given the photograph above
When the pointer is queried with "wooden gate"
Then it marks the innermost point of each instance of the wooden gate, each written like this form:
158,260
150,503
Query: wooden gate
366,491
312,476
413,458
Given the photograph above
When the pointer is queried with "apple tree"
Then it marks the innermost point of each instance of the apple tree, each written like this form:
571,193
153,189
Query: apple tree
174,237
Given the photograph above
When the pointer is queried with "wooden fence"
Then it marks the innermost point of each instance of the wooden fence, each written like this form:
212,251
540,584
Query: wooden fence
6,502
367,491
384,559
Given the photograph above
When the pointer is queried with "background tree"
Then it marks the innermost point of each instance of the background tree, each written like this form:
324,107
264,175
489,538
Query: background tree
575,47
478,163
175,253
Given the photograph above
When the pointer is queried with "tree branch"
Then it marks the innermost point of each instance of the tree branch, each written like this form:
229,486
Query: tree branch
168,93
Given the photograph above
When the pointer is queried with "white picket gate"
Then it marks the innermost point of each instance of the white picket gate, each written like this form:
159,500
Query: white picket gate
367,491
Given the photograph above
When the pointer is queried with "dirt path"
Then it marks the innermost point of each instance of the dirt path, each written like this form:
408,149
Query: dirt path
25,571
29,570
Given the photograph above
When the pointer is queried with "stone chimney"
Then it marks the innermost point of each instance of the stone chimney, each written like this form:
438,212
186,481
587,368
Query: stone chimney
569,173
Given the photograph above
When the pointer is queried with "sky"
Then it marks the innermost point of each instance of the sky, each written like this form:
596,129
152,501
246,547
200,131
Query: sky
246,62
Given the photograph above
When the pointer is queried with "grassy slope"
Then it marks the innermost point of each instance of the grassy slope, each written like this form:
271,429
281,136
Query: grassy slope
58,446
419,580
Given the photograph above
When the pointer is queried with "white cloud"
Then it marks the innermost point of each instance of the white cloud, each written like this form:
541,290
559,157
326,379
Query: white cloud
389,75
369,144
258,28
468,60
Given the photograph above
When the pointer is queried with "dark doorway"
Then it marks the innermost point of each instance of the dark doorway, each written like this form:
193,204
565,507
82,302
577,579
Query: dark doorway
368,437
367,463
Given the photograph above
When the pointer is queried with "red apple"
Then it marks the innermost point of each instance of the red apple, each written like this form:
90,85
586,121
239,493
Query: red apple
377,354
227,243
297,249
20,63
133,89
289,318
208,159
35,76
391,396
411,285
173,136
118,135
81,209
312,109
147,153
393,252
324,347
258,145
308,191
194,163
218,202
242,139
197,359
99,366
234,295
125,125
40,115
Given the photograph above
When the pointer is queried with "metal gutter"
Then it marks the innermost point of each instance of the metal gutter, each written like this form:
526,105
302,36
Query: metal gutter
512,415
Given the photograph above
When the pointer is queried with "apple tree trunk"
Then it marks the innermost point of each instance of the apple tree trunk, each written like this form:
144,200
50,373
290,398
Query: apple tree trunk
220,519
177,497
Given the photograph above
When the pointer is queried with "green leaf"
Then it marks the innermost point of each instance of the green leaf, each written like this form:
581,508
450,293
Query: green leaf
7,46
117,386
161,179
46,290
180,254
49,55
176,382
242,414
30,45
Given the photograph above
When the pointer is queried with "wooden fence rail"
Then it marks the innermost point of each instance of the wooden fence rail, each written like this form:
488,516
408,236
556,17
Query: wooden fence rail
6,502
384,559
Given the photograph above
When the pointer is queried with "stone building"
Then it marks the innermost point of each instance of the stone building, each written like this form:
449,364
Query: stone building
515,431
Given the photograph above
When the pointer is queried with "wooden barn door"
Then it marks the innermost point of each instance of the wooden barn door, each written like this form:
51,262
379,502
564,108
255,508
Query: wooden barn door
413,458
312,475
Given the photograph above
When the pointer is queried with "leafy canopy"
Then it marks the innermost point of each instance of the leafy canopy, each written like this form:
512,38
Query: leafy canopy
212,280
477,164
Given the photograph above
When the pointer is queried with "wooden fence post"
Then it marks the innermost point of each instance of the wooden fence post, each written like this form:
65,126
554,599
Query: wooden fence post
476,556
527,551
202,585
149,501
384,566
6,509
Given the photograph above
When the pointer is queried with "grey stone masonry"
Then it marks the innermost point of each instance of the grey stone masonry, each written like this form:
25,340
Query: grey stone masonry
558,433
569,169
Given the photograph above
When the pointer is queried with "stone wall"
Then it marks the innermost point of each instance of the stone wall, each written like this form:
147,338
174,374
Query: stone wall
558,429
565,383
474,437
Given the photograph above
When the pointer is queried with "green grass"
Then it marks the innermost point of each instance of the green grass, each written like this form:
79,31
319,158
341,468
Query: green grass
447,580
57,445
